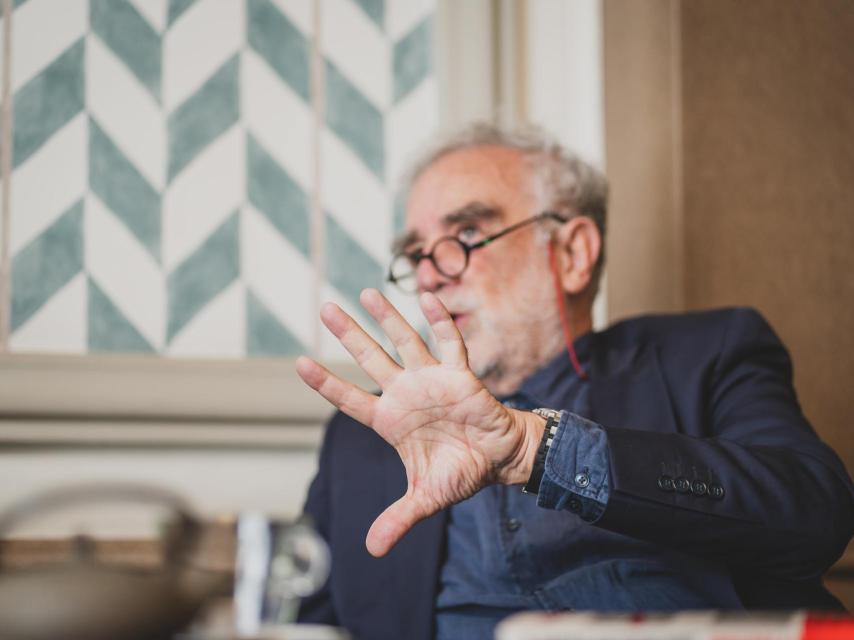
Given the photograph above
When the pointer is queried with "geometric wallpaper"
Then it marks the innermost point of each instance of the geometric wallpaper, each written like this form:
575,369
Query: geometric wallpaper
192,178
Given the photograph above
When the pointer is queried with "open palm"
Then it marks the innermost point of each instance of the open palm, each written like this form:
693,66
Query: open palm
452,435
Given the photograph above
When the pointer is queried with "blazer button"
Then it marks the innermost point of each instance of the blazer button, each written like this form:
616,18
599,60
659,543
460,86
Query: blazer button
699,488
716,491
582,480
574,505
665,483
682,485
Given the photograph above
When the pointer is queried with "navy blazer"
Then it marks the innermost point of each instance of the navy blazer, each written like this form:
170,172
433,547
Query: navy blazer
706,396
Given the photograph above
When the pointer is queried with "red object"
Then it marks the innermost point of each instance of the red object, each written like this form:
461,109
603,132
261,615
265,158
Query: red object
564,319
819,627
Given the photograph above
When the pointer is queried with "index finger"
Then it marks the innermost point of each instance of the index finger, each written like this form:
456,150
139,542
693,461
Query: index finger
355,402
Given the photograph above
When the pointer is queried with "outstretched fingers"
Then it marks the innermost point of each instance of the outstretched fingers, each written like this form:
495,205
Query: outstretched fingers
449,342
355,402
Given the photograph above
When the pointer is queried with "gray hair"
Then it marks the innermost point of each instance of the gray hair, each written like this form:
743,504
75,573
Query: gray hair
561,181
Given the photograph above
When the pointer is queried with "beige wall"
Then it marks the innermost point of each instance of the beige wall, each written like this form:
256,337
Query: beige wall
730,146
768,107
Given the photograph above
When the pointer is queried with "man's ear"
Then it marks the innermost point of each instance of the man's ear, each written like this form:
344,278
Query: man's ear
578,244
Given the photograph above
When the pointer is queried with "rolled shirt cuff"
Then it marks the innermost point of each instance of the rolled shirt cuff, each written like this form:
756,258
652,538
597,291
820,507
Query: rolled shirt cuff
577,471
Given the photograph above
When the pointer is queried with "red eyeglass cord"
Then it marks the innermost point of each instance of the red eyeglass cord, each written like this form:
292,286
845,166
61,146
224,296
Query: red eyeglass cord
564,316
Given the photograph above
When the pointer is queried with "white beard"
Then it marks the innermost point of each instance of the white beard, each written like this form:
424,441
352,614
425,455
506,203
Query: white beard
504,350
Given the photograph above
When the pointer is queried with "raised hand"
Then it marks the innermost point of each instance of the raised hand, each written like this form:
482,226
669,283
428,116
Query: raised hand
453,436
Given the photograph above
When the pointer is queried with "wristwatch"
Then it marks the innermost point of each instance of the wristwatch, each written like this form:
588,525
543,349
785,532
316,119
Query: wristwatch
552,417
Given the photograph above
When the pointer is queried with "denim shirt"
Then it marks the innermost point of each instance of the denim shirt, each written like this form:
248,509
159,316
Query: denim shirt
508,551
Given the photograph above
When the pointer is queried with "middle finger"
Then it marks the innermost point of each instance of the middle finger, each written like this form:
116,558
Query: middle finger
413,352
369,355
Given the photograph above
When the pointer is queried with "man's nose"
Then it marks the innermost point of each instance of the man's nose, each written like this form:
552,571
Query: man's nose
427,277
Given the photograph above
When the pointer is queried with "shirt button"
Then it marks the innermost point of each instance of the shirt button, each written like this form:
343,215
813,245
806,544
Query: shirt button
699,488
716,491
665,483
582,480
513,525
682,485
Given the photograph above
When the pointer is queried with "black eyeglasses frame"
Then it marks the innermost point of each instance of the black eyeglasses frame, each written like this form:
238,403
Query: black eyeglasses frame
416,257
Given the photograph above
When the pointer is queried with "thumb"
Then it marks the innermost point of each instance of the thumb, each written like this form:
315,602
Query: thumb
393,523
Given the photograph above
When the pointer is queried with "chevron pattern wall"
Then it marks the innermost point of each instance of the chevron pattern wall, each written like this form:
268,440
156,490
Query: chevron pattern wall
170,159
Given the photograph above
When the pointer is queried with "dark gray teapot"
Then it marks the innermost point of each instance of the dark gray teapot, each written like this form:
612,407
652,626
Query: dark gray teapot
83,598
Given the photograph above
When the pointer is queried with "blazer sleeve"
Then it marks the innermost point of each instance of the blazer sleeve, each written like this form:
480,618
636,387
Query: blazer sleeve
782,503
319,608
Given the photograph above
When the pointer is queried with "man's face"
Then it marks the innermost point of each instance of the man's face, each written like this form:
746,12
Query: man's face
504,303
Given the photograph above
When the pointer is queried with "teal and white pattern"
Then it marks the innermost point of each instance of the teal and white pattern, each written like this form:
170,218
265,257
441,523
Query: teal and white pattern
170,159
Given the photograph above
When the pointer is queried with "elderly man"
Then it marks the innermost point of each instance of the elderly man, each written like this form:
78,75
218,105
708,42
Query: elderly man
530,463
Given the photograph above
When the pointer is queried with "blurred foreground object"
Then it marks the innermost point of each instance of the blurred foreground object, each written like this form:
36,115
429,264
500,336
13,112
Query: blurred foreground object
86,595
695,625
277,564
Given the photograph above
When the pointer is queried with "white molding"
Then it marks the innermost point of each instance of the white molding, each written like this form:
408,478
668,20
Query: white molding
564,78
465,61
93,434
140,388
565,74
511,58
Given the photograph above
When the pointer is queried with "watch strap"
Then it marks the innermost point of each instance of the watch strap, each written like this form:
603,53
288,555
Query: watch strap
538,470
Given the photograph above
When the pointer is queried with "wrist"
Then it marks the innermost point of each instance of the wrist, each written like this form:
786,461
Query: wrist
530,427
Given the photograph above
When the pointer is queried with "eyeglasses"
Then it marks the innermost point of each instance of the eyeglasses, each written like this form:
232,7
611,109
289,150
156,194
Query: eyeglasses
450,255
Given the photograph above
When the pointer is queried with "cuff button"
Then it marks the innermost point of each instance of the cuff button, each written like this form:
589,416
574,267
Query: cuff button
665,483
699,488
682,485
716,491
582,480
